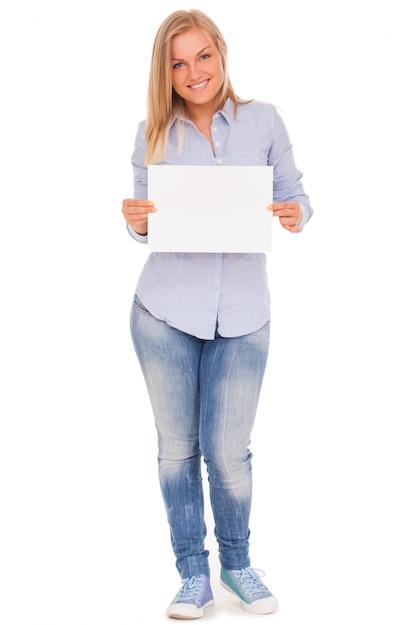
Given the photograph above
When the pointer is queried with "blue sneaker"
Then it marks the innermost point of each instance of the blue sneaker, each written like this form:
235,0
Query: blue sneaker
247,585
194,597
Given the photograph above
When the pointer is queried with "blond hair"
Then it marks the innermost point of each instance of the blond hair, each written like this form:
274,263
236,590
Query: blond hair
163,101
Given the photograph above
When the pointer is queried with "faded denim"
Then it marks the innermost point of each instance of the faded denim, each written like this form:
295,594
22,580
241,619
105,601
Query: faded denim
204,396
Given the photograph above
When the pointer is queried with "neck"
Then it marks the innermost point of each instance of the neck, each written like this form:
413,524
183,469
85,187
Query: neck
201,114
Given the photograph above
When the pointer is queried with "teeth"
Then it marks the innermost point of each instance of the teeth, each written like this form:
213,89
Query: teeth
199,85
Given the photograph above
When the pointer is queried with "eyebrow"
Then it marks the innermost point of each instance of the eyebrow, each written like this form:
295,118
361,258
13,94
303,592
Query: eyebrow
198,53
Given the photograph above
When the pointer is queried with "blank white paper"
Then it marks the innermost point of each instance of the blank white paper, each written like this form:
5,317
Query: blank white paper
206,208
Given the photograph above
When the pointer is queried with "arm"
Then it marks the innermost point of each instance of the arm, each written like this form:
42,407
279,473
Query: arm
291,204
135,210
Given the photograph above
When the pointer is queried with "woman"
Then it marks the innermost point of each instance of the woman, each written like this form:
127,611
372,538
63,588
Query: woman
200,322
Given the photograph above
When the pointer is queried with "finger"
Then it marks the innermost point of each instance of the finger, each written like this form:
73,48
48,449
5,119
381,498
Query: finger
286,209
132,204
286,213
138,209
288,205
292,229
278,206
137,202
288,221
141,211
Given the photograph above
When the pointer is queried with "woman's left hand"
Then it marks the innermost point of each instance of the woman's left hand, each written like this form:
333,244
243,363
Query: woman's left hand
289,214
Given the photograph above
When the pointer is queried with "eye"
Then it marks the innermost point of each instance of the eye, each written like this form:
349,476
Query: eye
178,66
204,57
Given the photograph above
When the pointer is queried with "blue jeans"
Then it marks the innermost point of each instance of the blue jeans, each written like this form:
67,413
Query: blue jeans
204,396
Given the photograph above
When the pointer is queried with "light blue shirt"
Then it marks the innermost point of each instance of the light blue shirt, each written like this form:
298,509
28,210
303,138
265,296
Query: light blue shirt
201,293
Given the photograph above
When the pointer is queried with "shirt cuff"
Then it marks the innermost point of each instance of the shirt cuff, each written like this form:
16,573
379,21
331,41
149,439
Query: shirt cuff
136,236
304,214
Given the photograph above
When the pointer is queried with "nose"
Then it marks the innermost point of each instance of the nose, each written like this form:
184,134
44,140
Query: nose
193,72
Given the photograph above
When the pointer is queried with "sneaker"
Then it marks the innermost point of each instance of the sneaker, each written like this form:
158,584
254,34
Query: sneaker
194,597
247,585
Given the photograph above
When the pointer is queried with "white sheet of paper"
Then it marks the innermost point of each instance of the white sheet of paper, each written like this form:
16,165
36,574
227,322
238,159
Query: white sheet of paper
206,208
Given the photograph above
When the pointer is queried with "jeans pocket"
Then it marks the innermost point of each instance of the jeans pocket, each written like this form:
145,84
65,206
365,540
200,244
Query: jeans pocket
139,306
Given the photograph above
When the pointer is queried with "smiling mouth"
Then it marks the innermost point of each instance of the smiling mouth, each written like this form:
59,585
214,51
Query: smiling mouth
198,86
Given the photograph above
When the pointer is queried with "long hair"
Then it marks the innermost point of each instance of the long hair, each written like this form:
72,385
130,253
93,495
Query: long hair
163,101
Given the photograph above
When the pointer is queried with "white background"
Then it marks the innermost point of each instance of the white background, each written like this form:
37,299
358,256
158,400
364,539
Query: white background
83,534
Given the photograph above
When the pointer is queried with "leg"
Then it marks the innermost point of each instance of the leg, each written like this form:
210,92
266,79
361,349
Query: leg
170,363
231,375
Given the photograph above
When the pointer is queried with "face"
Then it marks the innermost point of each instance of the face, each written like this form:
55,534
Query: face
197,71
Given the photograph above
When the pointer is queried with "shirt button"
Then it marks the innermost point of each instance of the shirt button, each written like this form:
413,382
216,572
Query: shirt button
256,158
214,129
219,161
217,143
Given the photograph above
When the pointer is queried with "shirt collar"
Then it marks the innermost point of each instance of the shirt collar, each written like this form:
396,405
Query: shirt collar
227,112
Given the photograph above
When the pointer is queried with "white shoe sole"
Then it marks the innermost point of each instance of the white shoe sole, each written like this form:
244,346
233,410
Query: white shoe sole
188,611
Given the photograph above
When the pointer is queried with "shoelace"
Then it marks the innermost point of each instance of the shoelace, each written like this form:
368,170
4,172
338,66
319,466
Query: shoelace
191,589
250,581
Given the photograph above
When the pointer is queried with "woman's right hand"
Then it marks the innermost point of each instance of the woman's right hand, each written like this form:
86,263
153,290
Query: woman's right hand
136,214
